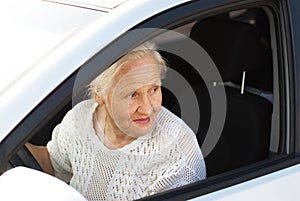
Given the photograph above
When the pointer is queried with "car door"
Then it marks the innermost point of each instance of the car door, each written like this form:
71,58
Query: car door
245,116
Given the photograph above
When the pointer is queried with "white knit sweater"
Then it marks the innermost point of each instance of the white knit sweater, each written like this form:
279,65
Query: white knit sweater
166,158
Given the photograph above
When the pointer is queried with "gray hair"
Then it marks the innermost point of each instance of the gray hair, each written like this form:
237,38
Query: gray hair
105,80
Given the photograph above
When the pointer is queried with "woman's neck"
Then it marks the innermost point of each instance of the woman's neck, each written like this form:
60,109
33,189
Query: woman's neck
116,137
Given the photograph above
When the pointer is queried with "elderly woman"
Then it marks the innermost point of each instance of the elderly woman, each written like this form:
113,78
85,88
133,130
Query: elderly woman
122,144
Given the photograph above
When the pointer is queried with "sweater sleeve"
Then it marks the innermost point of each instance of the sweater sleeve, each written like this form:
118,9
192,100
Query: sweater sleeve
194,161
59,148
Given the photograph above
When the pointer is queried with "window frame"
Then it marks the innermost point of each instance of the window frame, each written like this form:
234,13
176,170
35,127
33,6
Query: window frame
292,17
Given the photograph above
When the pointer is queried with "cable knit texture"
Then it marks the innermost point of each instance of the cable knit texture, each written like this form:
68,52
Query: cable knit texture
166,158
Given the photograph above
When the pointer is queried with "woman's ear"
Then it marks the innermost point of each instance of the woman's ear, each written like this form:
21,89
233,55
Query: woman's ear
98,99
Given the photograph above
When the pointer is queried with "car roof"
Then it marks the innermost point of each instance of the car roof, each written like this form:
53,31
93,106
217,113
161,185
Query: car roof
30,38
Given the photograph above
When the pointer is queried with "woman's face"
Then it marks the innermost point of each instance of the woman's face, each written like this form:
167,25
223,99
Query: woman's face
135,98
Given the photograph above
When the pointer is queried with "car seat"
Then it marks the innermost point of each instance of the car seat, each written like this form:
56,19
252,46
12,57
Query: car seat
237,48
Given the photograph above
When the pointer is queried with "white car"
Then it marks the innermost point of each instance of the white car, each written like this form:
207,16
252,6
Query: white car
233,77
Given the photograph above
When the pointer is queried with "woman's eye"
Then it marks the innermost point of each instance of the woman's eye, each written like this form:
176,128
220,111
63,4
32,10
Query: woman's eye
153,90
133,95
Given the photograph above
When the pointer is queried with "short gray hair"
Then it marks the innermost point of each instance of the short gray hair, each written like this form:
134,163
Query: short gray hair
105,80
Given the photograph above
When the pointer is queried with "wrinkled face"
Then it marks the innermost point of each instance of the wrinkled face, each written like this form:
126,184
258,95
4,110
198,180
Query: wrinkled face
135,99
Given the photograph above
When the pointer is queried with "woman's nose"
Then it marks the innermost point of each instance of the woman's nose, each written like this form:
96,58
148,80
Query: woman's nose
145,105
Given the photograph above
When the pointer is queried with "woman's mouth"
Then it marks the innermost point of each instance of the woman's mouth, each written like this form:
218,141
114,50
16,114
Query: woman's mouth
142,121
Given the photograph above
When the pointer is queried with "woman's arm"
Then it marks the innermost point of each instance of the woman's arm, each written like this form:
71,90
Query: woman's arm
41,155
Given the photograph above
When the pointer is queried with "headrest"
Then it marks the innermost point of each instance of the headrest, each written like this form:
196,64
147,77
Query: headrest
234,46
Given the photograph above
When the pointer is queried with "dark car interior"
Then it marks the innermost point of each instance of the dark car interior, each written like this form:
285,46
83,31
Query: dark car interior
239,45
236,47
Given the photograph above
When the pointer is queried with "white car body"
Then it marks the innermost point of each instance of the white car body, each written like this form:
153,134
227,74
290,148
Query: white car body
281,185
47,56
